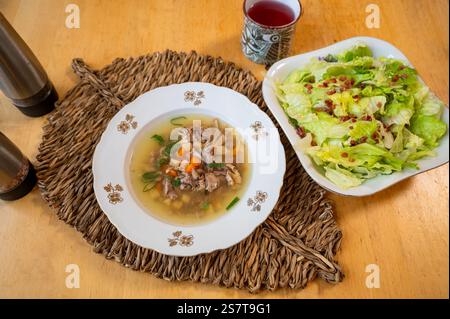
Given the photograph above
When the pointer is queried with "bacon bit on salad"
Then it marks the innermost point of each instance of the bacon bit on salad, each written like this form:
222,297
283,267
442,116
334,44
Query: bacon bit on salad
313,143
344,154
353,143
333,80
404,76
379,104
395,78
308,86
301,131
350,127
387,127
353,120
331,92
374,135
367,118
344,118
402,67
363,139
342,78
323,109
356,97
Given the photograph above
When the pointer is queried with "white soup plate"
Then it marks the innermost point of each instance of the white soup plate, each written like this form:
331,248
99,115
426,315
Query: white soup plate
112,157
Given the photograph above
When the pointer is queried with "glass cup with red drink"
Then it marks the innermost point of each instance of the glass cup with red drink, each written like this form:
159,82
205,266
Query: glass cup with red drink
269,27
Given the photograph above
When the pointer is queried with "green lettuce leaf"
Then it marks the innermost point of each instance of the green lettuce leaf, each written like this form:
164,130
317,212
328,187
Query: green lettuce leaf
342,178
368,106
431,106
399,113
343,102
326,126
429,128
363,129
299,76
360,50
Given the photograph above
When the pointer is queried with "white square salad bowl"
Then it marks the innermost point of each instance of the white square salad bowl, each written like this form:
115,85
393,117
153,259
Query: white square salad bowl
280,70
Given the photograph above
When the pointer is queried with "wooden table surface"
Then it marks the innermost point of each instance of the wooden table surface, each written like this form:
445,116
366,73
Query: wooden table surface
404,229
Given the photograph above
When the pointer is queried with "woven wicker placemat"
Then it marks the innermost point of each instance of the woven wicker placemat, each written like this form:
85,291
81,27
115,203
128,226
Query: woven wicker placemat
293,246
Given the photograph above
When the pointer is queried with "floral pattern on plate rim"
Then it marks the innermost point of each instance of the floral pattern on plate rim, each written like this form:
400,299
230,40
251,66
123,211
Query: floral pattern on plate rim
192,96
180,239
114,193
127,124
258,130
257,200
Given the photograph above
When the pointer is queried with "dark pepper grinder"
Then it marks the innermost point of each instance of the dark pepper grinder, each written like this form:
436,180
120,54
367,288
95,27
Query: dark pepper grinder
22,77
17,175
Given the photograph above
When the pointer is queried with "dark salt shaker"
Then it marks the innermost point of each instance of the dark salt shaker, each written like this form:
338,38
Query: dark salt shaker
22,77
17,175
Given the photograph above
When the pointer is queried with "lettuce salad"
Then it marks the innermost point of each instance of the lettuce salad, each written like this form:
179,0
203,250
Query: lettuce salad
360,116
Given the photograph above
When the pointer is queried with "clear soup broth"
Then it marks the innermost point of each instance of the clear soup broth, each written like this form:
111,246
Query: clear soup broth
176,183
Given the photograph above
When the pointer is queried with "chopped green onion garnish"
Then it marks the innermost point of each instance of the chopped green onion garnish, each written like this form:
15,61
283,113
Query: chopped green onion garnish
158,138
204,205
216,165
148,187
176,182
168,148
233,202
150,176
162,161
175,122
